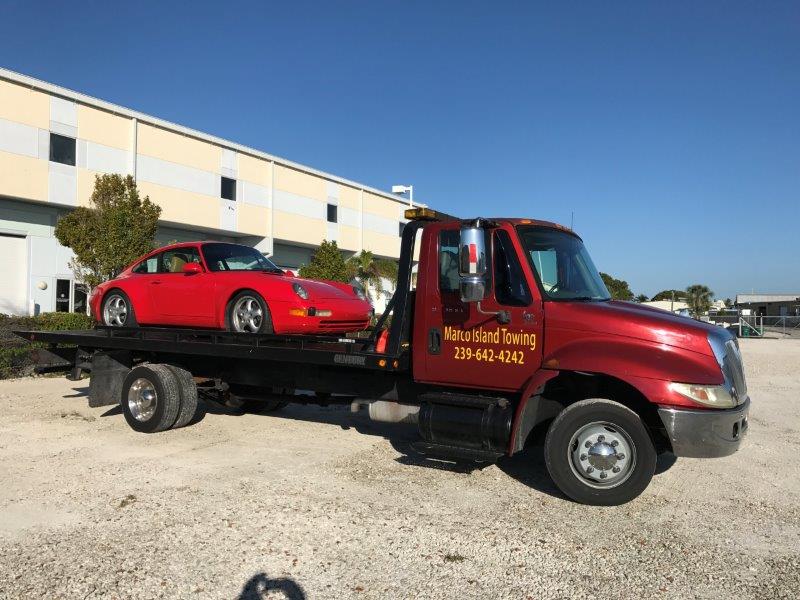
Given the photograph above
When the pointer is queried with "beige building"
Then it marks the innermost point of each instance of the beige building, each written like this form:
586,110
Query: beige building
53,142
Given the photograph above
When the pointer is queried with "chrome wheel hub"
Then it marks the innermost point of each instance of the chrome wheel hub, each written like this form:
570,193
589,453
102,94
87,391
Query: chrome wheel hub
247,315
115,311
142,399
602,455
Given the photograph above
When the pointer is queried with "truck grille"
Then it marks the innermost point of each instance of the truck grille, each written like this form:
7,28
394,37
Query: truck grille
734,369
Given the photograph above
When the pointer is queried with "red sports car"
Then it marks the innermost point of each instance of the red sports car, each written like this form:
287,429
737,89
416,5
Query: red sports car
226,286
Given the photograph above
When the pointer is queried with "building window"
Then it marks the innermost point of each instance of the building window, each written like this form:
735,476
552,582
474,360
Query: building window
333,216
63,294
228,188
79,299
62,149
401,228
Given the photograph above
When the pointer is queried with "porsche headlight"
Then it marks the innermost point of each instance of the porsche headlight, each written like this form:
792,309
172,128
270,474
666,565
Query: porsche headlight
359,292
300,291
716,396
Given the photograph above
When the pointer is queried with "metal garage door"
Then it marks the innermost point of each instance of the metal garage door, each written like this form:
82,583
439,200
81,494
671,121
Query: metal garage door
13,275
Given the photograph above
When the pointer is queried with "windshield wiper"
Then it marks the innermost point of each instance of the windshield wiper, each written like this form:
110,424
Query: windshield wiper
587,299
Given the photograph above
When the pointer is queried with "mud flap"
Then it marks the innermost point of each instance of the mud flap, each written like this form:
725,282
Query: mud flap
109,370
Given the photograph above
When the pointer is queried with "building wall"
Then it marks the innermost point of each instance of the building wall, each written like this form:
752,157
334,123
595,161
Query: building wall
278,204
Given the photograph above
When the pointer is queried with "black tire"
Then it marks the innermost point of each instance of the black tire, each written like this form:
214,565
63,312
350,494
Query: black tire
161,412
570,467
188,394
265,323
112,296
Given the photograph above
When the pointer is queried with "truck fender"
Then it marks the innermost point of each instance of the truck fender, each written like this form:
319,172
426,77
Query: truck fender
526,414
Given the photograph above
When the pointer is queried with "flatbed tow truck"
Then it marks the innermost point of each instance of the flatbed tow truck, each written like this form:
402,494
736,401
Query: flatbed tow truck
506,334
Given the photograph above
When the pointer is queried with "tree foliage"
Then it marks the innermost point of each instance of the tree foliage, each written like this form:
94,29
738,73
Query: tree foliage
618,288
641,298
667,295
699,298
370,271
117,227
327,262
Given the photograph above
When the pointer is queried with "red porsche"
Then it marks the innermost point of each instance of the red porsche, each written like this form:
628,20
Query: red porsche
226,286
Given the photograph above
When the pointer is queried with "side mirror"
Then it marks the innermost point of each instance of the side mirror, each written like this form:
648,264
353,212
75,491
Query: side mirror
288,273
472,267
192,268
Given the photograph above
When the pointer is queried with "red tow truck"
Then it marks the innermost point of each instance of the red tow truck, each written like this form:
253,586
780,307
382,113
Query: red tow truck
506,333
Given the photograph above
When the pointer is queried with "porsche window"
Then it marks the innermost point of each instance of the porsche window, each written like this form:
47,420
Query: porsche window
234,257
173,260
149,265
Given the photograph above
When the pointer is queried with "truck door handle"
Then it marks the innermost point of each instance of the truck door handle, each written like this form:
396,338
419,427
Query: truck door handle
434,341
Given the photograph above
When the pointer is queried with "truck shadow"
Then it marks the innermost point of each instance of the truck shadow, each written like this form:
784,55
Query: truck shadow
527,467
260,586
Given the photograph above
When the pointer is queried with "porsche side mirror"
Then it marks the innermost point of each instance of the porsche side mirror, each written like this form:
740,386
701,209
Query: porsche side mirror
192,268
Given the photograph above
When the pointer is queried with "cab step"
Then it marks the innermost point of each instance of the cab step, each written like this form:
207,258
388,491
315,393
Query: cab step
456,452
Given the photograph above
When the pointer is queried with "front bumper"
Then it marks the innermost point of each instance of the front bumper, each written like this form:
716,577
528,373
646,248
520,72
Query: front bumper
705,433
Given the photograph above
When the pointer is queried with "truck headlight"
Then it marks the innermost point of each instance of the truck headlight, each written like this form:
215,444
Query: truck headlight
300,291
710,395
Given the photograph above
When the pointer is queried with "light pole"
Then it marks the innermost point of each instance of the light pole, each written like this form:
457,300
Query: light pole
402,189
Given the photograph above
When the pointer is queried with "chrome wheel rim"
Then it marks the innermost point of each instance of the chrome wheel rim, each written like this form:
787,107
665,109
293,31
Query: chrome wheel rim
247,315
115,311
602,455
142,399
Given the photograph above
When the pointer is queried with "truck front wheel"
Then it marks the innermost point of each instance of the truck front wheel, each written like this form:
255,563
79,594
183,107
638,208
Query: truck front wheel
599,452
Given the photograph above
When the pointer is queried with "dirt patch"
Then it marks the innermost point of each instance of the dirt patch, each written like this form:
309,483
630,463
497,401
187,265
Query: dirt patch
317,503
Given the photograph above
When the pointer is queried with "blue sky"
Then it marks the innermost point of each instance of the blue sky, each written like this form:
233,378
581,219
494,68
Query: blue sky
672,130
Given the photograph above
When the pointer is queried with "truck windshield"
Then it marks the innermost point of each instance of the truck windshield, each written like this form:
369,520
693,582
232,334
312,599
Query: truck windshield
235,257
563,266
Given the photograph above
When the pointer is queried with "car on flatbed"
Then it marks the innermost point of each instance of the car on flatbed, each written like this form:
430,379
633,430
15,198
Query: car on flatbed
507,335
226,286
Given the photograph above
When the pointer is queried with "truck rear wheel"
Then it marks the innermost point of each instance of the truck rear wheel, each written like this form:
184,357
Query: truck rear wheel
150,398
599,452
188,395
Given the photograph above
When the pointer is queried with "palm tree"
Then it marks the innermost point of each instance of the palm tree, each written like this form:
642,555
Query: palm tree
641,298
699,298
370,271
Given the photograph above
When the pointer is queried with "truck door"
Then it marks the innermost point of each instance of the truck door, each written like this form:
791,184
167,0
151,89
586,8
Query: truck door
467,347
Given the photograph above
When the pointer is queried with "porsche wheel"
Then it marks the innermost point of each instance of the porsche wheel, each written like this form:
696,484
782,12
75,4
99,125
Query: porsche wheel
248,313
117,310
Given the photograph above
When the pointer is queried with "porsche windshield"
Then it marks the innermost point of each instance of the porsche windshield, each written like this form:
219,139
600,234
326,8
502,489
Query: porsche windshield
234,257
563,266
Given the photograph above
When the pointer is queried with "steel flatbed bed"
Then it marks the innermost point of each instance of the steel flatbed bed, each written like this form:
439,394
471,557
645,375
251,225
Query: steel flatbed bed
308,349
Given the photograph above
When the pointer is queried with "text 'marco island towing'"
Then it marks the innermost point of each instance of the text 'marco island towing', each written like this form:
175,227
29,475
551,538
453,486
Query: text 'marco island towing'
503,333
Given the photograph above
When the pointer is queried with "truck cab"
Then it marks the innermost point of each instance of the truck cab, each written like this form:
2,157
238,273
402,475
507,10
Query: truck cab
515,309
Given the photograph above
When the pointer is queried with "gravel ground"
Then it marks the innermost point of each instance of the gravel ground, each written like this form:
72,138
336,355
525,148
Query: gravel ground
318,504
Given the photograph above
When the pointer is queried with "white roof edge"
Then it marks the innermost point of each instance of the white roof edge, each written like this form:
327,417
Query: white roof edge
56,90
762,297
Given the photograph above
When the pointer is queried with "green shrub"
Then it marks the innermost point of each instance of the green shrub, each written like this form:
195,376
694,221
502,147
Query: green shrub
15,353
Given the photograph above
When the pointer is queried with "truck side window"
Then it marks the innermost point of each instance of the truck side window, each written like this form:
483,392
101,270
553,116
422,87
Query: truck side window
448,260
510,287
